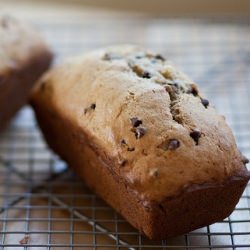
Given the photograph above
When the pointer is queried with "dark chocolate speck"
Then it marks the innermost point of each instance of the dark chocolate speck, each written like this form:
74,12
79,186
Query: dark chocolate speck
123,142
146,74
193,90
93,106
173,144
131,149
205,102
160,57
195,136
135,122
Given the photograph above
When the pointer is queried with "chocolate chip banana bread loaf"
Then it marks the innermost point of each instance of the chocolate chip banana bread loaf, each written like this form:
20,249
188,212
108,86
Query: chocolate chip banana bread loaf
24,56
143,138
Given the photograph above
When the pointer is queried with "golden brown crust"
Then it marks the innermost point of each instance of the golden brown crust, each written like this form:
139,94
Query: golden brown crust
24,57
104,91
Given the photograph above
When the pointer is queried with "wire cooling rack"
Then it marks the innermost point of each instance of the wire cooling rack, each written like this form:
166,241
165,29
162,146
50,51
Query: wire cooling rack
43,205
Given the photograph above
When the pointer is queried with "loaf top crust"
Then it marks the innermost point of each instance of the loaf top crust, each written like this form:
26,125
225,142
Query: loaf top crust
19,44
139,111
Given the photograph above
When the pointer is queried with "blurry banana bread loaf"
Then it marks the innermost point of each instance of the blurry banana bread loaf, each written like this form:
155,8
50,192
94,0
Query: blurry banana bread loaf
24,56
141,136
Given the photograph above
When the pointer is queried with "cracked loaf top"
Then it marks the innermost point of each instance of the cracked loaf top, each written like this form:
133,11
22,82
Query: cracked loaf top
147,117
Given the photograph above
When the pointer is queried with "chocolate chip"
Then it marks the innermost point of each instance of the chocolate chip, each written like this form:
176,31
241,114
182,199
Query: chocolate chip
140,132
176,84
135,122
93,106
173,144
146,74
160,57
123,142
140,71
193,90
205,102
131,149
195,136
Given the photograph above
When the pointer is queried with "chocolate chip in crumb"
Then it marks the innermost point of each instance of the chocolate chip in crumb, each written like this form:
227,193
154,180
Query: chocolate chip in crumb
160,57
123,142
195,134
140,132
93,106
173,144
193,90
131,149
204,102
146,74
135,122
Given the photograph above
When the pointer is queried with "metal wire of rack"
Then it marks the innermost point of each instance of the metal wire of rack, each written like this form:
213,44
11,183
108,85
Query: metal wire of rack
43,205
